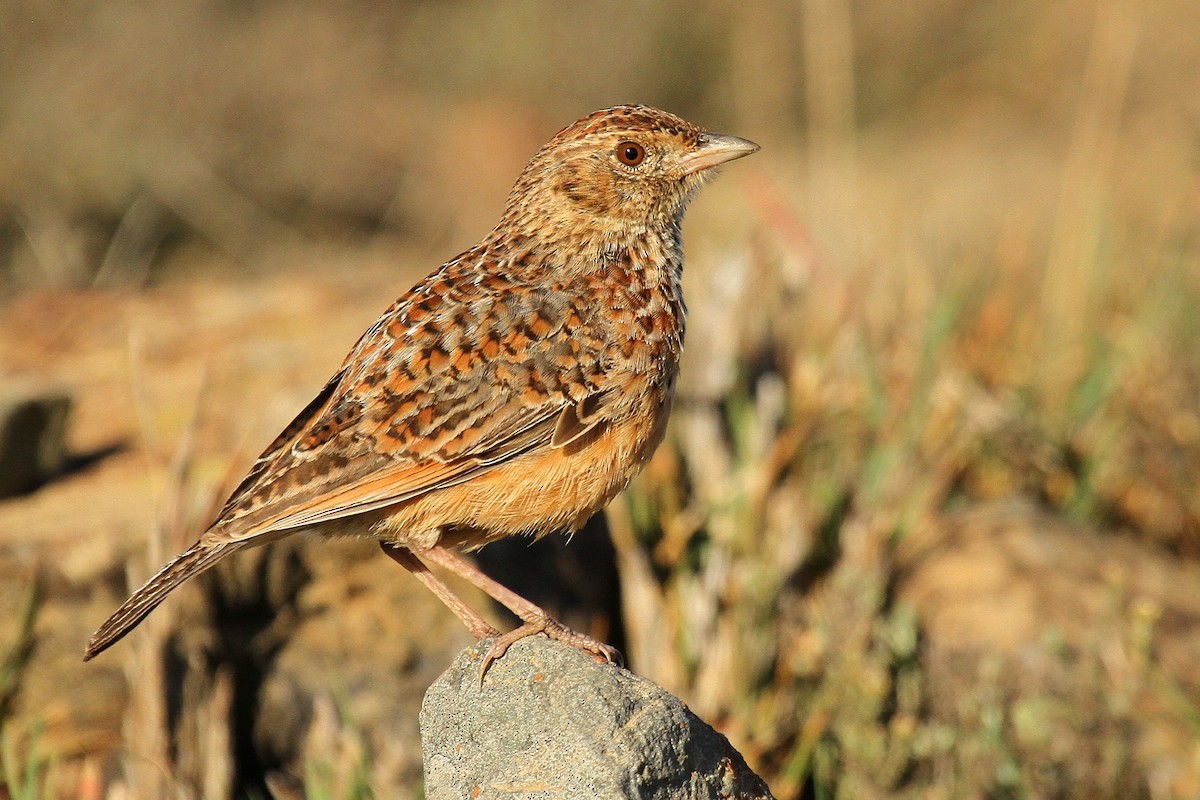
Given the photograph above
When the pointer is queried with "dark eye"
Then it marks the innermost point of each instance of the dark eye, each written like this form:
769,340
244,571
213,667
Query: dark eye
631,153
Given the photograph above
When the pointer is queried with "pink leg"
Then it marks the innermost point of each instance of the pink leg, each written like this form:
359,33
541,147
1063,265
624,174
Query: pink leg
476,624
535,618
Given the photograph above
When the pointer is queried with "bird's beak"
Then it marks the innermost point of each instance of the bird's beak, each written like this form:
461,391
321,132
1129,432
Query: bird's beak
714,149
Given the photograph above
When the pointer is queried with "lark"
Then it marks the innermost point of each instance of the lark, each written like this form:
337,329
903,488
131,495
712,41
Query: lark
514,391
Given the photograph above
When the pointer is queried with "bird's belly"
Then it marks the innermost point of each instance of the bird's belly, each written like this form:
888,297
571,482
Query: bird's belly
541,492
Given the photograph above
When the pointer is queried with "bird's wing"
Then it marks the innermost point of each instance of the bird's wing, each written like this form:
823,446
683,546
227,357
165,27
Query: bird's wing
436,392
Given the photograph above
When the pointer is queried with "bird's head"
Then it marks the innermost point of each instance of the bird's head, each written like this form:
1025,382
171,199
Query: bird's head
619,172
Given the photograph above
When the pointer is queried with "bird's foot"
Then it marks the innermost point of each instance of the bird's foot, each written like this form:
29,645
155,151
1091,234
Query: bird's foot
557,631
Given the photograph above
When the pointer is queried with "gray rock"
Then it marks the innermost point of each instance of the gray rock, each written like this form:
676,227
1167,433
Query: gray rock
551,722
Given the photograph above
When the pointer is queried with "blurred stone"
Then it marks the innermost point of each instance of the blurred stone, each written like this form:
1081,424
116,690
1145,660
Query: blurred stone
1003,577
550,721
1089,637
32,447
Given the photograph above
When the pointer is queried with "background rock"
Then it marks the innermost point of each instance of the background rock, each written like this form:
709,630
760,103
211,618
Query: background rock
32,448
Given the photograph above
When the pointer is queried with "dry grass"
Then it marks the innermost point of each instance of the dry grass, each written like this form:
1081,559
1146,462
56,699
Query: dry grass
963,275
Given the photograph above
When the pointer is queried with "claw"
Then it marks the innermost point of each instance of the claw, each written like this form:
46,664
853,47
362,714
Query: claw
502,643
552,629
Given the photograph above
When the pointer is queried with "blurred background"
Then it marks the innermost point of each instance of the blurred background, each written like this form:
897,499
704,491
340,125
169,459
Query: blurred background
927,520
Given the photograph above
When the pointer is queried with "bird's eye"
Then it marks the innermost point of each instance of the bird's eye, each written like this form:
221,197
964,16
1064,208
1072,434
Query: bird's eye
631,153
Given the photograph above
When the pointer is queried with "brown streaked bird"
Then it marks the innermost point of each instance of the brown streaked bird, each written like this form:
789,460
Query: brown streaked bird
515,390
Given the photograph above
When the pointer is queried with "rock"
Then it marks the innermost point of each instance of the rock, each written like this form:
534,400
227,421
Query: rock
1084,637
551,722
1002,578
32,425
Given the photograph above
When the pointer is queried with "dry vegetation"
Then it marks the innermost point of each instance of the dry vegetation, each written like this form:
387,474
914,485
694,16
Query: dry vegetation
927,523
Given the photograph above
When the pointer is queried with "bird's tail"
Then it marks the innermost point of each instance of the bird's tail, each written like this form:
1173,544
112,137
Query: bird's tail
195,560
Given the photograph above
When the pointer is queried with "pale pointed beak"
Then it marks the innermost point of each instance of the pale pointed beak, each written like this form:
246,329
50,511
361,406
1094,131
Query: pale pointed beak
714,149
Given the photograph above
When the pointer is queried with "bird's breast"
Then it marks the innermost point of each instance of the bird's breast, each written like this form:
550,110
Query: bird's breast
644,312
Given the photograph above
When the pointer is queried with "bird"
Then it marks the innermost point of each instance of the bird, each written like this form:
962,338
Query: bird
513,391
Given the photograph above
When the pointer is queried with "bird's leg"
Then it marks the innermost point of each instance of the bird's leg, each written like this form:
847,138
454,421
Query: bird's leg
476,624
535,617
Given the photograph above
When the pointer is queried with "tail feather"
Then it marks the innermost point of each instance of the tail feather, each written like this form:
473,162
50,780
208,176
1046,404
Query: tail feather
192,562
